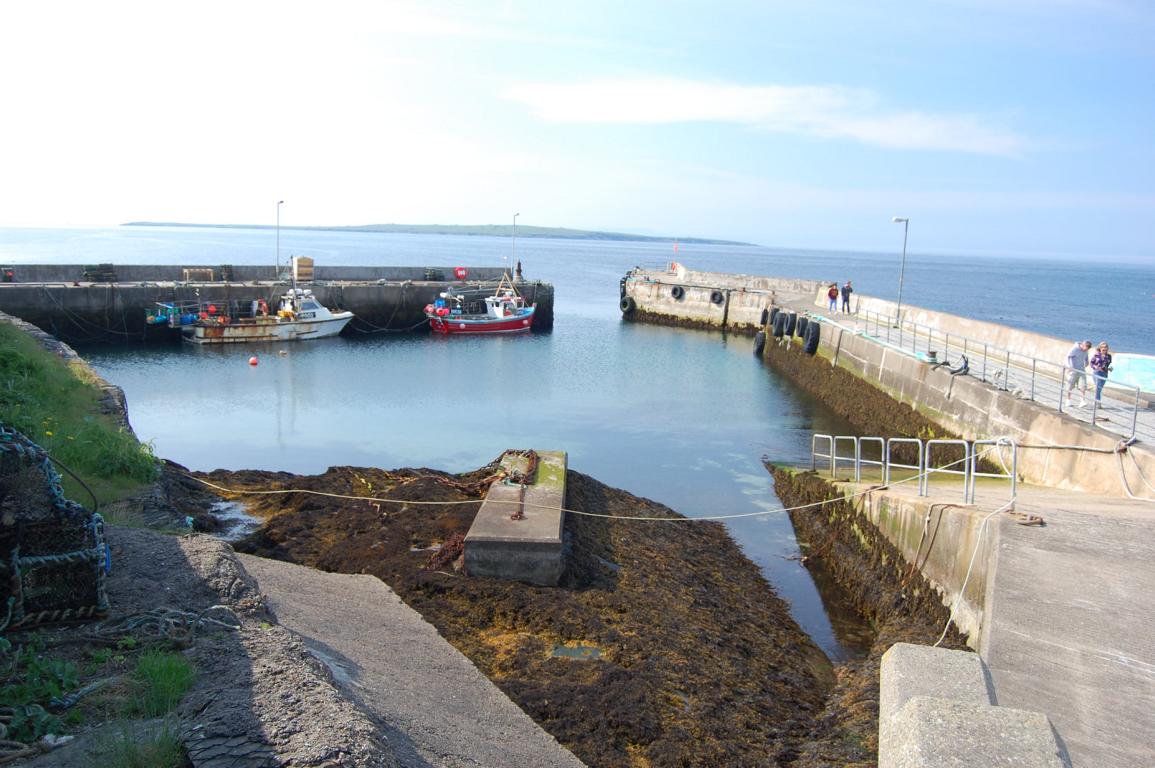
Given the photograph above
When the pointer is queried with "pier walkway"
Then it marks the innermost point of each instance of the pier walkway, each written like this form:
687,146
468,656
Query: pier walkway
1067,616
435,708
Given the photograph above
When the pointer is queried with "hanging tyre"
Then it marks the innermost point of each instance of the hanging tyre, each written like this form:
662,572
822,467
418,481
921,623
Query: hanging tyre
779,325
800,328
717,298
759,343
774,312
628,305
678,292
764,318
791,321
813,334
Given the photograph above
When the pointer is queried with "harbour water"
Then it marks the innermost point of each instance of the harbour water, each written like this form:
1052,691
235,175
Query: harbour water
679,416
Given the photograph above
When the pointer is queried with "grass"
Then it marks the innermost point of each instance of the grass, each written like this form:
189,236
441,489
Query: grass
57,406
30,681
134,747
162,679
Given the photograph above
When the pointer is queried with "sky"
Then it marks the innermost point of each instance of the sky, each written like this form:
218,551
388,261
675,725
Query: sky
995,126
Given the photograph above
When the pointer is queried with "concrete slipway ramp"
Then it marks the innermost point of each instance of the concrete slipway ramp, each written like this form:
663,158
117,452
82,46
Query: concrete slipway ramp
435,708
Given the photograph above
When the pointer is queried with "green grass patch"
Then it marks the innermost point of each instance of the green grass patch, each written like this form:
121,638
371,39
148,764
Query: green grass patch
57,406
162,679
139,747
30,681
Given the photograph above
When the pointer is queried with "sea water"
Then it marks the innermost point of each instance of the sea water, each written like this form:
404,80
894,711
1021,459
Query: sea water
680,416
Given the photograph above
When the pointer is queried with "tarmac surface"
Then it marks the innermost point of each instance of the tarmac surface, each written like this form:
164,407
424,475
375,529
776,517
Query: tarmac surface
435,708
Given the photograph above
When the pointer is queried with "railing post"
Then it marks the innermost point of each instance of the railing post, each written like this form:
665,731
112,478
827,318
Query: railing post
1135,413
1007,372
1034,366
984,362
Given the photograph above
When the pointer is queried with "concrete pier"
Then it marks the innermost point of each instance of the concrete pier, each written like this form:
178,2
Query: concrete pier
517,534
59,299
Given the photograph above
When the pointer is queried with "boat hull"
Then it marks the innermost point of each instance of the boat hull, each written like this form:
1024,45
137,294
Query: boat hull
521,322
266,329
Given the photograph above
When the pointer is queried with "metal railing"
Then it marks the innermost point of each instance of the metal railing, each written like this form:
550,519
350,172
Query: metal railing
1030,378
972,452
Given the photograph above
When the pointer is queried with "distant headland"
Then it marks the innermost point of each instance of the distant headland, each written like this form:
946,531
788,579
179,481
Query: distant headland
492,230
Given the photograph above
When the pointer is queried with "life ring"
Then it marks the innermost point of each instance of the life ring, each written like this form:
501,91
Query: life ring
800,326
678,292
778,325
759,343
628,305
717,297
813,334
460,273
791,322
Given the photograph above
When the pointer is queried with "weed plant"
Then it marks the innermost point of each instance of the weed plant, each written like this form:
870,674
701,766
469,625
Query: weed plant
30,681
163,679
54,405
135,747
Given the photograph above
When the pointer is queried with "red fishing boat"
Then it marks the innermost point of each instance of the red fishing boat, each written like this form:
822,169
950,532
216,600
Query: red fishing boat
503,312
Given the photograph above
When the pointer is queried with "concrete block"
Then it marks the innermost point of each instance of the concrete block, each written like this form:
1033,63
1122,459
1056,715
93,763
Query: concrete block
528,549
929,732
919,670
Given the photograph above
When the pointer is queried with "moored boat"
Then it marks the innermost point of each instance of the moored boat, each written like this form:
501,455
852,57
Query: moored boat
503,312
299,316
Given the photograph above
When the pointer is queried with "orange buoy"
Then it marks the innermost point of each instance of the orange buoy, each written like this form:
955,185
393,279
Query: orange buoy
253,360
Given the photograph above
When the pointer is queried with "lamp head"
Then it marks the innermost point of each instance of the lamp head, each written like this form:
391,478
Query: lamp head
899,220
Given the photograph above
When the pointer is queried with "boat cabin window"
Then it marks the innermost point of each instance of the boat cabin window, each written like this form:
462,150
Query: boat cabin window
308,305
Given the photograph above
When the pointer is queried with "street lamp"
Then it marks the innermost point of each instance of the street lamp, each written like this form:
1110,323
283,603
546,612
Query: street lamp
901,270
514,259
277,276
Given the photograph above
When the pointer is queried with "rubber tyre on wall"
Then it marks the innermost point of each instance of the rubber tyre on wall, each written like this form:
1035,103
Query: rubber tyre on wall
764,318
759,343
628,305
791,322
813,335
800,328
717,297
778,327
774,312
678,292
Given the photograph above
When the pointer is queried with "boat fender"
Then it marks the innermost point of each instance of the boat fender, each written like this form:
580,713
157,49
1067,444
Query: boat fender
962,367
813,335
791,322
774,312
429,309
800,328
759,343
717,298
765,317
628,305
460,273
678,292
779,325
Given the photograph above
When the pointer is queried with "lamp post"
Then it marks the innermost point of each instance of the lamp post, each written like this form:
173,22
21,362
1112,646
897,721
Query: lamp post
902,269
514,259
277,276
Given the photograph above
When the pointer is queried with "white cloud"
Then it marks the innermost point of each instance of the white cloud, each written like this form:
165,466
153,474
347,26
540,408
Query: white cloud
825,111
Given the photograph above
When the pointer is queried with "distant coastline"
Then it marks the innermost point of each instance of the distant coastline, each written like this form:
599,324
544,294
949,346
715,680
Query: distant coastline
492,230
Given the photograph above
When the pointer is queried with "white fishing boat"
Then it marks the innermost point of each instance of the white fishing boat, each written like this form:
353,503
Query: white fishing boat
299,316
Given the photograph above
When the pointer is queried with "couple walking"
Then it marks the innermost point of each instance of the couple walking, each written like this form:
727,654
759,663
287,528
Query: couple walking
1077,362
832,295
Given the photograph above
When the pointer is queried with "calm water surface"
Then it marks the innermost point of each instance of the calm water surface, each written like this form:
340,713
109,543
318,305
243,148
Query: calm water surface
682,417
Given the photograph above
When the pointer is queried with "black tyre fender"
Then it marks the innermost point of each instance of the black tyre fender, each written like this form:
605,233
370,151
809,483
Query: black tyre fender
628,305
800,328
778,326
717,297
774,312
678,292
759,343
791,322
765,317
813,336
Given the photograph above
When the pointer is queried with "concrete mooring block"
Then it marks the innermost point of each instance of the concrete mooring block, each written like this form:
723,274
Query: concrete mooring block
503,544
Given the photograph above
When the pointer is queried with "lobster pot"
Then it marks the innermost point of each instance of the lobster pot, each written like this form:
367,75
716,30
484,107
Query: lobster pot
52,551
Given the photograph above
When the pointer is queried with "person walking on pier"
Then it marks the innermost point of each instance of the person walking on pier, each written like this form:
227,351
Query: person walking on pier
1076,375
846,291
1100,366
832,294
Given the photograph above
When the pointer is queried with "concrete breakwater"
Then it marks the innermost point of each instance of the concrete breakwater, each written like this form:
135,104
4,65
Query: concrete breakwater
59,298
